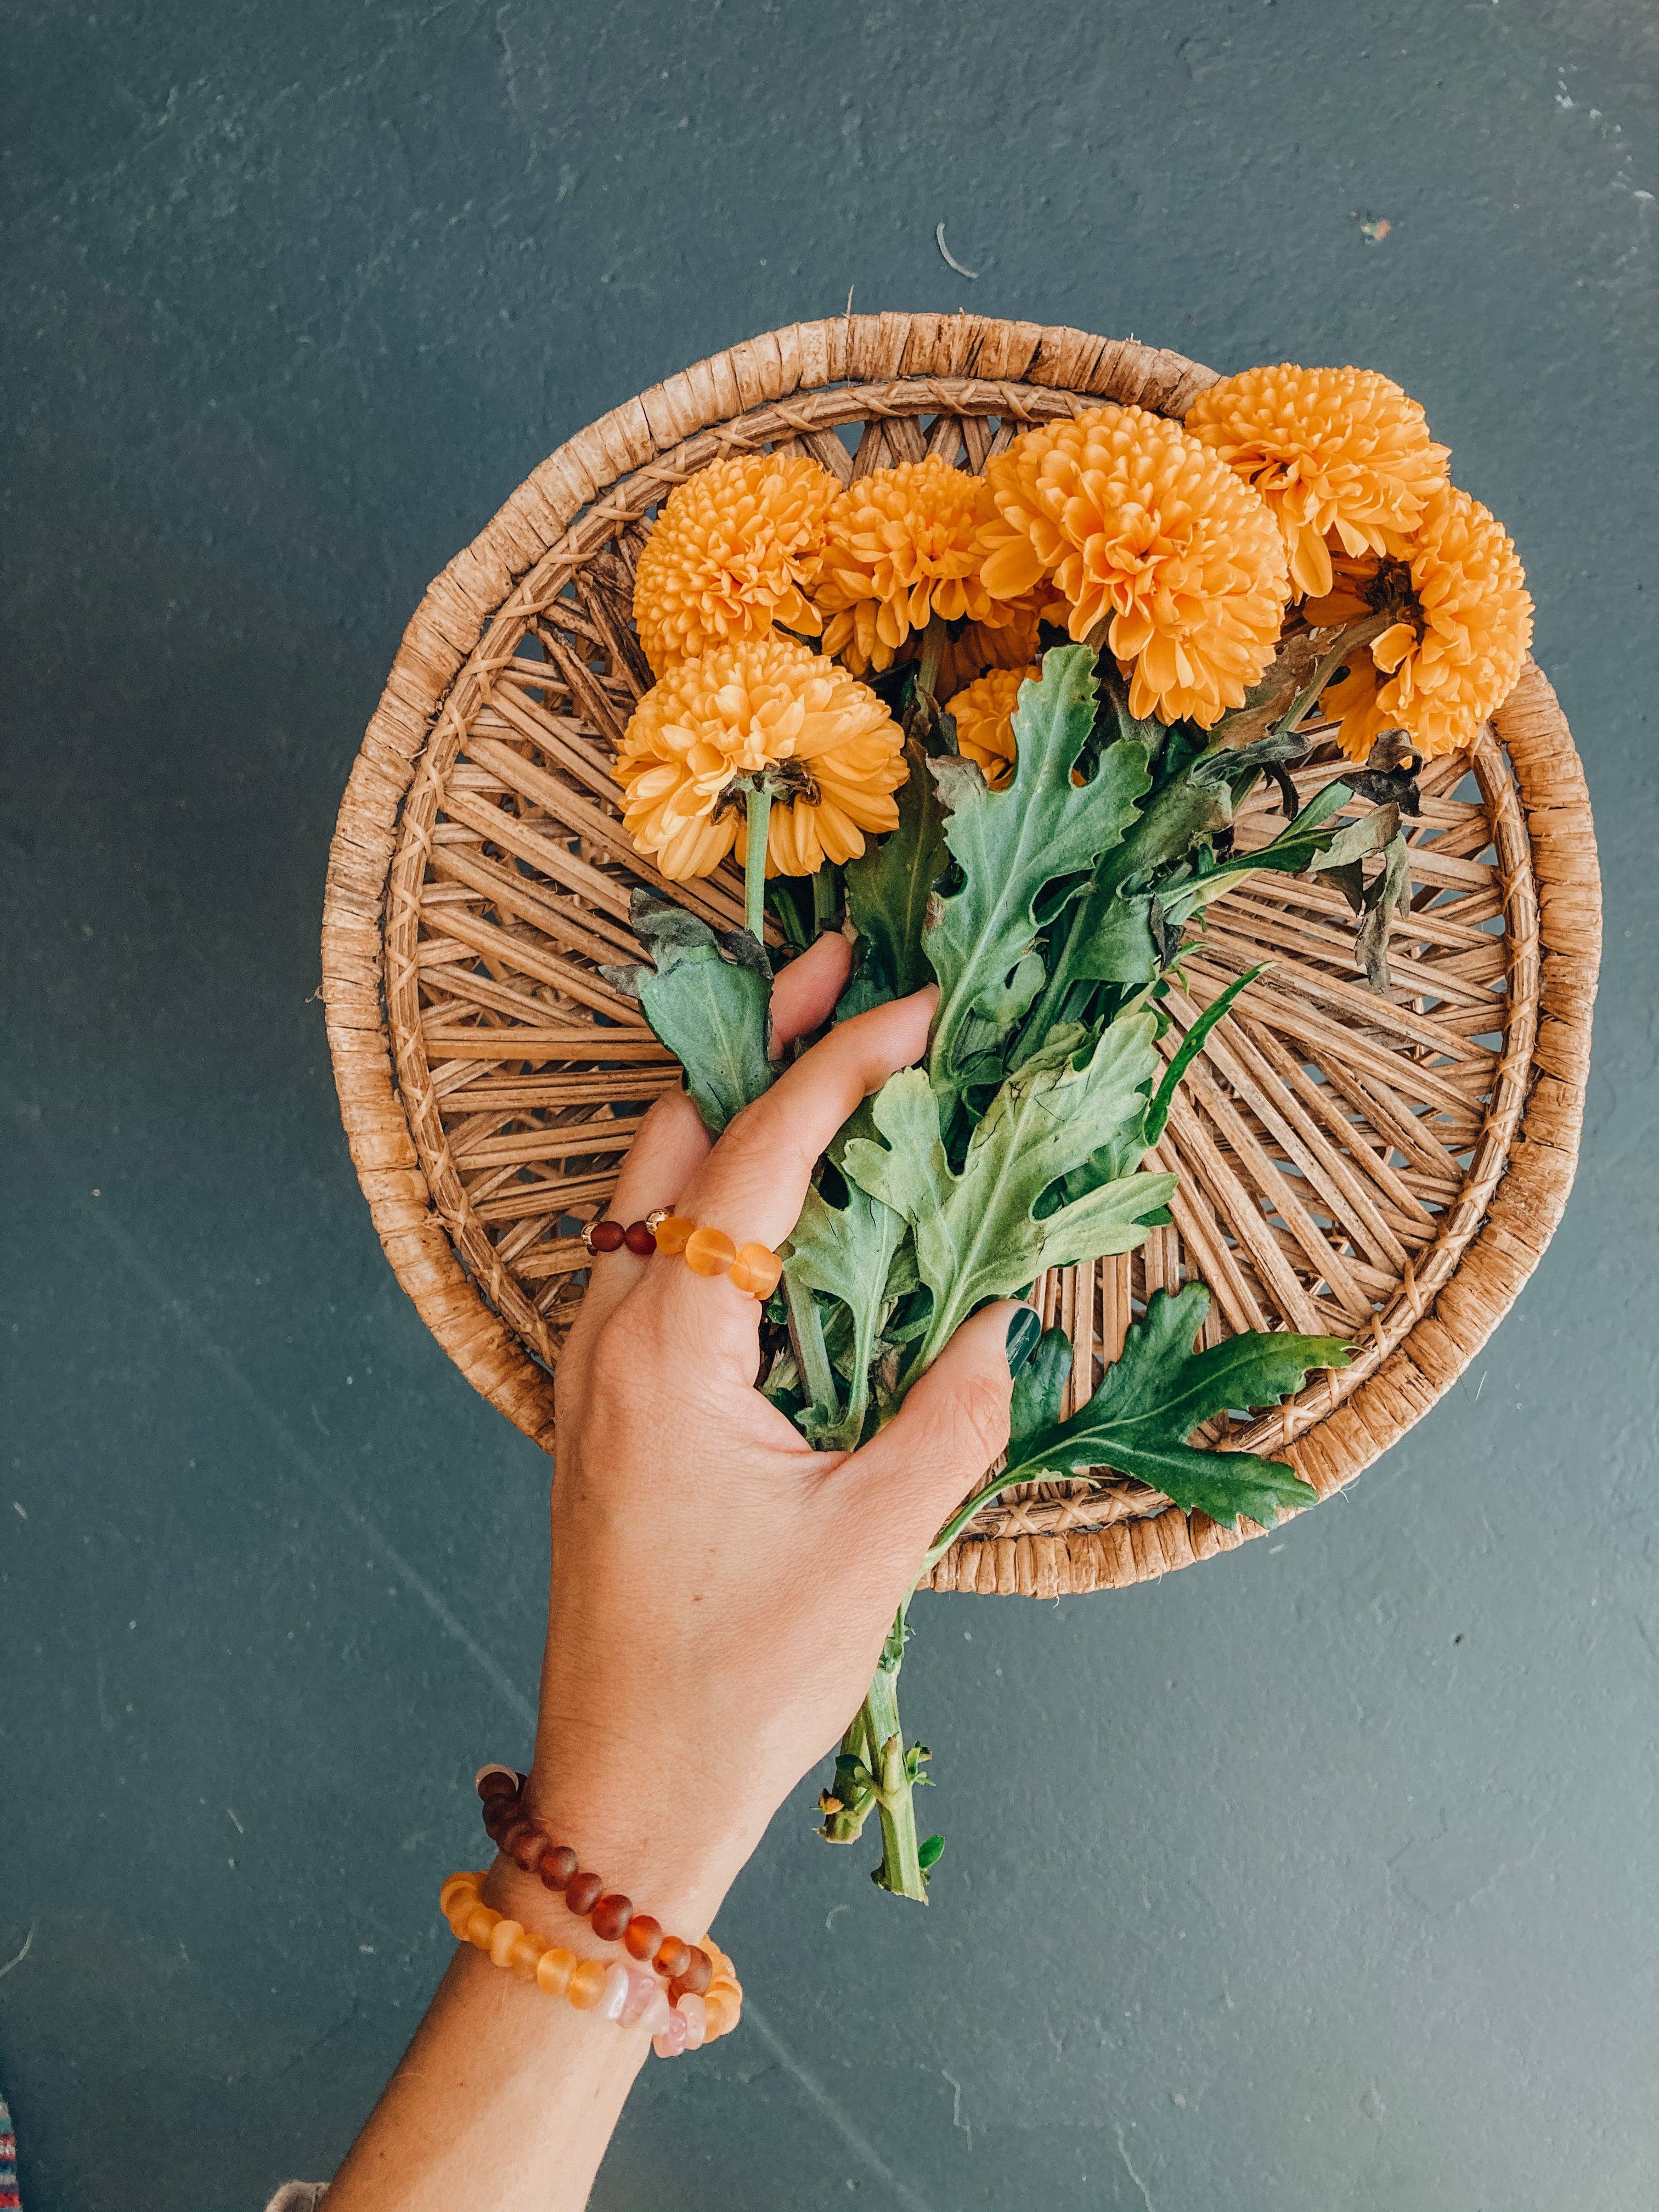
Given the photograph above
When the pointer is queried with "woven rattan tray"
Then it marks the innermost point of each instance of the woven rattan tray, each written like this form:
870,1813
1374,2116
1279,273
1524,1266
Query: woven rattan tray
1388,1170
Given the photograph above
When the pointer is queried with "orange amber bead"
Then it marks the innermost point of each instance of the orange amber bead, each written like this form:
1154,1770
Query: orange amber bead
698,1973
587,1982
524,1957
502,1936
554,1970
756,1270
641,1936
480,1923
709,1251
673,1958
674,1234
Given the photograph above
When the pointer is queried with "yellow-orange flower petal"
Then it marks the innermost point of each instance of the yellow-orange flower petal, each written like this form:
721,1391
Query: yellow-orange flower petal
1137,524
902,545
1457,649
711,724
1341,456
984,716
731,551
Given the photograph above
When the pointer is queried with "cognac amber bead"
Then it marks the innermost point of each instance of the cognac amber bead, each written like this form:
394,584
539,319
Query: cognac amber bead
698,1973
756,1270
527,1849
558,1866
611,1916
673,1957
675,1233
638,1238
587,1984
709,1251
606,1235
641,1936
583,1891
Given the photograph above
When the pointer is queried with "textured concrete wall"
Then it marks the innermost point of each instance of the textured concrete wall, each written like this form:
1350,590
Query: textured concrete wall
1322,1875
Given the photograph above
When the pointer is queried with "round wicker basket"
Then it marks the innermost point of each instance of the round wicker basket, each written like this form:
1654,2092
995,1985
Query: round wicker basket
1384,1168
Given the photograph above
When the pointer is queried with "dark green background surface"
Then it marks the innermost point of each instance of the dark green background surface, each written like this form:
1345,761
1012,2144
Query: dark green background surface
1322,1876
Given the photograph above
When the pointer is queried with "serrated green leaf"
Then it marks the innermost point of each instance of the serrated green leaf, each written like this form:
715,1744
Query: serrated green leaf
1161,1390
1115,940
1010,845
847,1253
887,893
1038,1389
709,999
977,1234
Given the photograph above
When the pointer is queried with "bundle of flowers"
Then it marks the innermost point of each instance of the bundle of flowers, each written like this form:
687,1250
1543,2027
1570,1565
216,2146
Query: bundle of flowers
996,727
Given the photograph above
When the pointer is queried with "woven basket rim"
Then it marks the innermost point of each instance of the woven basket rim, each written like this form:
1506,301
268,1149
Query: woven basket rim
779,384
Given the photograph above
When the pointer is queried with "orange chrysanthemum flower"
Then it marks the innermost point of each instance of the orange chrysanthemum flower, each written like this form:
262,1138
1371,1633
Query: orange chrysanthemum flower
976,647
731,551
1452,655
902,545
1137,524
698,737
1342,457
984,716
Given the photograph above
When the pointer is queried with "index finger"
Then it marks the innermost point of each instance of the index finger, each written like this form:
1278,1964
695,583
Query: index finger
754,1183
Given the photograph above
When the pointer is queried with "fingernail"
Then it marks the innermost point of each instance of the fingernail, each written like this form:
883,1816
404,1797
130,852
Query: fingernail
1024,1331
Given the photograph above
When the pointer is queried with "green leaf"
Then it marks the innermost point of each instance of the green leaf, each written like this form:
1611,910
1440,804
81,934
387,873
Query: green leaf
887,893
977,1234
1114,941
928,1851
1192,1045
847,1253
1312,840
1389,895
709,999
1158,1392
1010,845
1038,1389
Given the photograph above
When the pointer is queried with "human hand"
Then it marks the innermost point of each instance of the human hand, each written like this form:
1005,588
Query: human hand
720,1590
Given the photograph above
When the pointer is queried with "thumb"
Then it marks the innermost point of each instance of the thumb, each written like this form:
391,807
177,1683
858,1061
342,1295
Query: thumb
941,1444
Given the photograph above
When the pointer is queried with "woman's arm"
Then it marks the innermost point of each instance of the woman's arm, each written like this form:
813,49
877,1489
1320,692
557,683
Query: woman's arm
720,1595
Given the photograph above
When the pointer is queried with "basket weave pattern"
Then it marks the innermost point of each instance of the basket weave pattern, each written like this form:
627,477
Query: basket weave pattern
1387,1169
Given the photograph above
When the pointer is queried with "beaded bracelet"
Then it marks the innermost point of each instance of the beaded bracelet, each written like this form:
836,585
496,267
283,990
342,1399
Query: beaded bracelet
629,1995
686,1967
753,1268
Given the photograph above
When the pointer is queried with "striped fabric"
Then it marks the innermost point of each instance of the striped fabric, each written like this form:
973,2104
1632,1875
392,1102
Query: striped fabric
10,2200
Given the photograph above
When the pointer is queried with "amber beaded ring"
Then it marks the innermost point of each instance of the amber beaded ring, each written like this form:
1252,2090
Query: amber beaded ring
754,1268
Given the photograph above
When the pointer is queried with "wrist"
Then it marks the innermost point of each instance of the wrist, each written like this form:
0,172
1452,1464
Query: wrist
624,1864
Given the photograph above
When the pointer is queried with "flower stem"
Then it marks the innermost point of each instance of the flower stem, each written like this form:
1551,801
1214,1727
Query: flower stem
824,897
754,867
1357,635
875,1773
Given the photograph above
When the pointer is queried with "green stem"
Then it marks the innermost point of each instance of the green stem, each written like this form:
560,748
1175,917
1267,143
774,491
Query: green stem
811,1354
876,1742
754,867
1357,635
824,897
